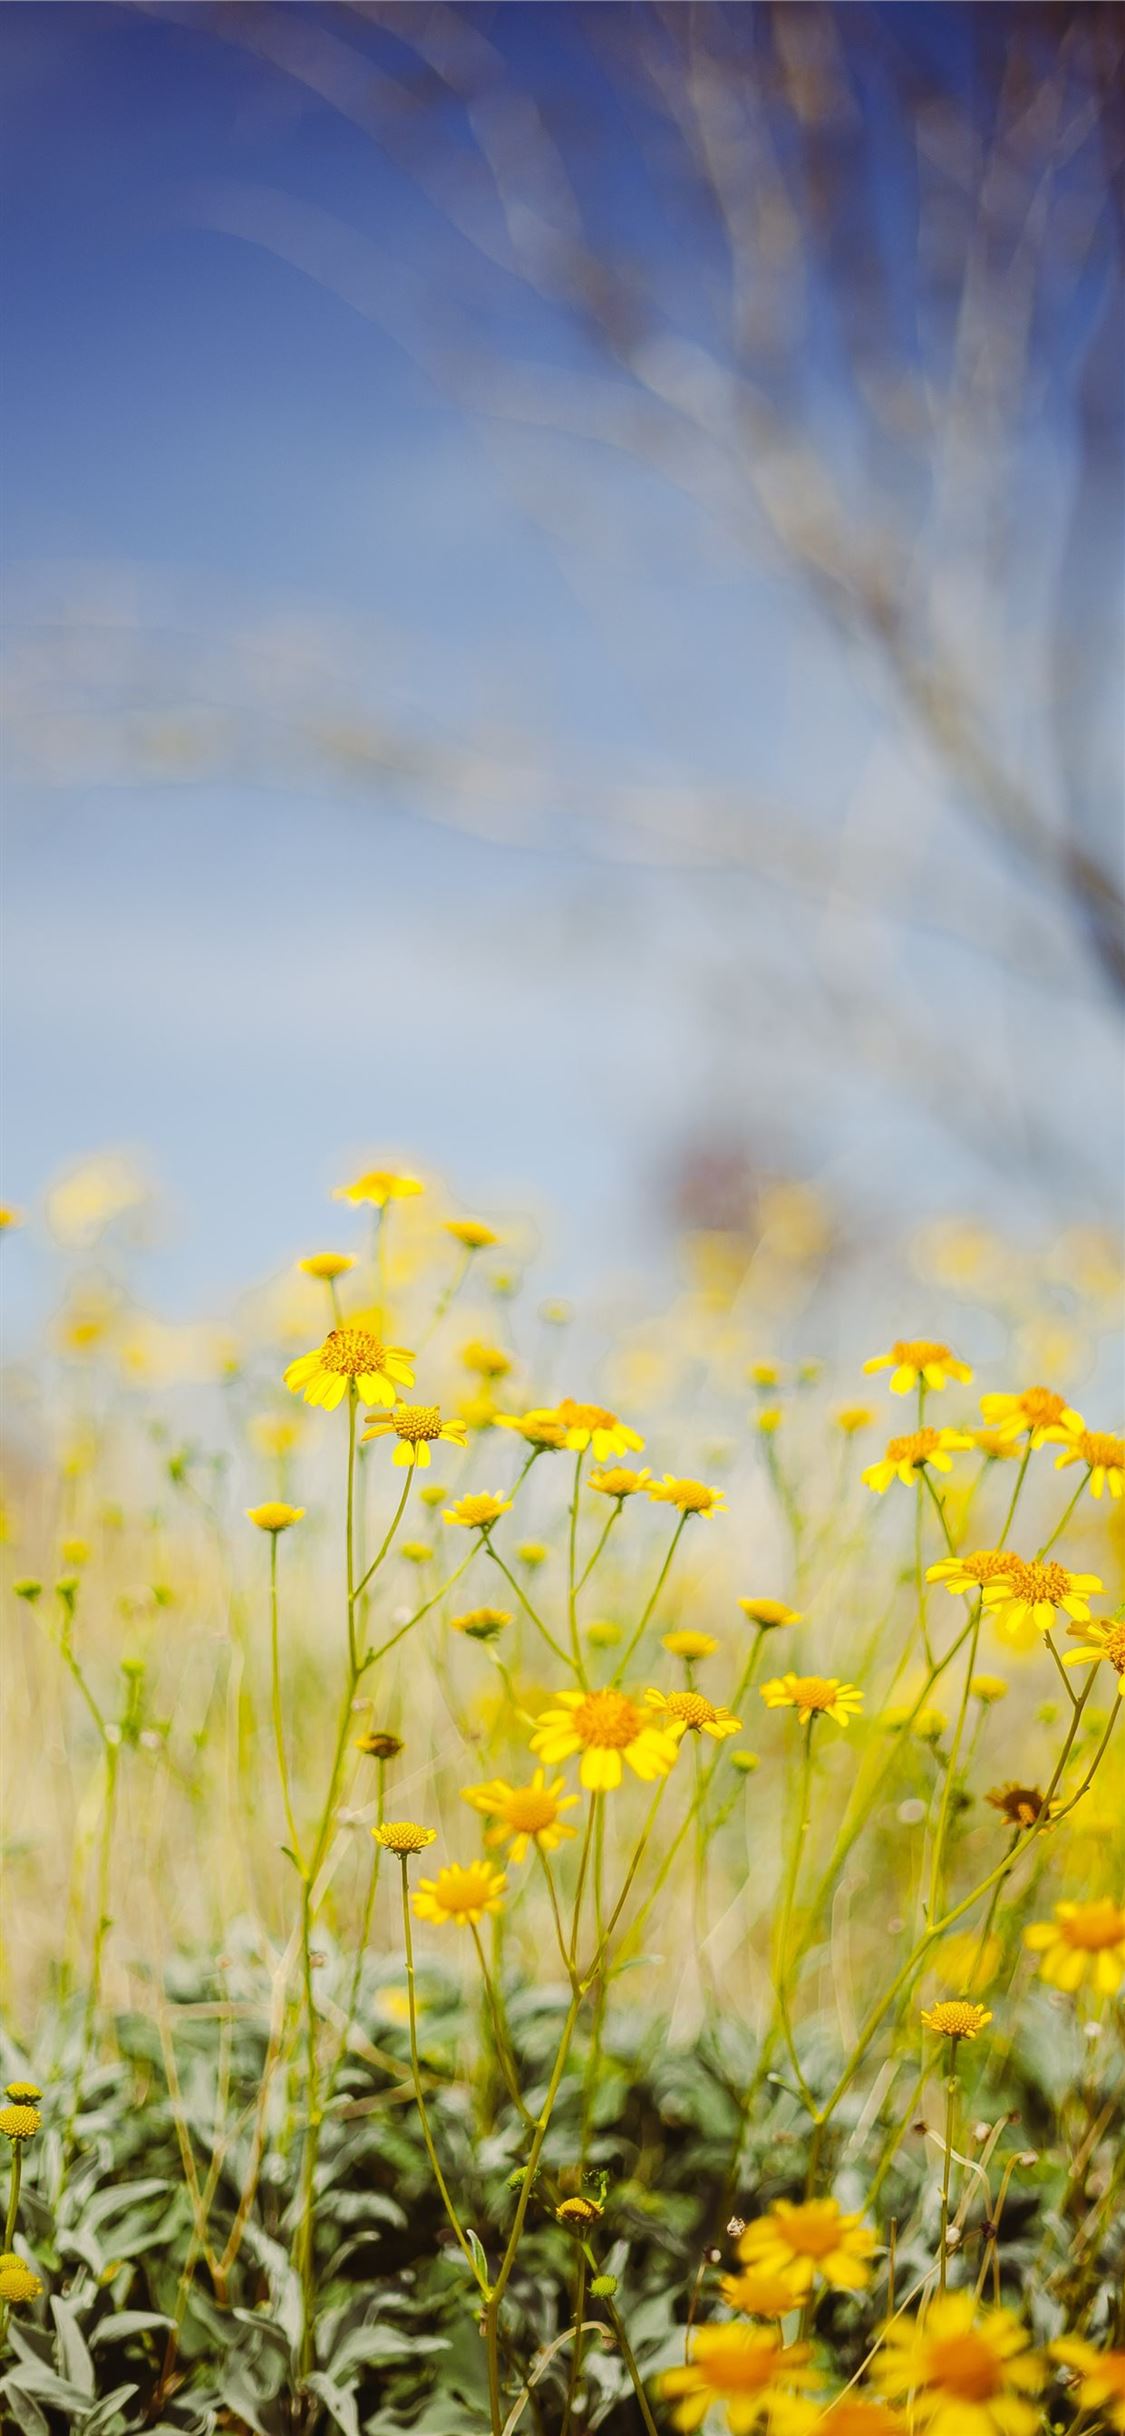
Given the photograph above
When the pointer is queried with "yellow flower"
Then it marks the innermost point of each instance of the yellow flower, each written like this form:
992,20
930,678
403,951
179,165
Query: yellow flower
813,1696
917,1361
906,1457
965,2371
415,1551
607,1728
462,1895
404,1836
770,1419
688,1644
532,1552
274,1516
1104,1455
486,1361
478,1511
1021,1805
852,2415
417,1427
1084,1941
809,2239
1101,2376
472,1233
1032,1411
691,1496
536,1428
851,1418
1103,1639
351,1355
524,1813
1030,1593
970,1572
378,1186
768,1614
19,2122
18,2281
276,1433
9,1217
690,1713
988,1688
743,2367
968,1960
618,1481
760,2292
327,1265
481,1623
602,1633
955,2019
764,1374
26,2091
590,1425
579,2212
997,1449
375,1745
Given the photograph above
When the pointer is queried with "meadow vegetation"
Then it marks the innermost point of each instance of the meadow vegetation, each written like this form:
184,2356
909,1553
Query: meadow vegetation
556,1884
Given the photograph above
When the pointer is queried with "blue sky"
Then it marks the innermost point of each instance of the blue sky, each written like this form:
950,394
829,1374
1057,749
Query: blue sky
247,522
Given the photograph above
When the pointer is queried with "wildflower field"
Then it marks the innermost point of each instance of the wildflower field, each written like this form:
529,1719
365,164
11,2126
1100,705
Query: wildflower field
558,1881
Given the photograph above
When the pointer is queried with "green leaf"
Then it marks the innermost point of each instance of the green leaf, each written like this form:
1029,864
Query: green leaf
340,2405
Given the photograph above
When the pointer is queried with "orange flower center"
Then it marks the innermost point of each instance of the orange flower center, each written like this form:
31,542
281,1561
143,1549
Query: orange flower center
965,2365
1114,1646
918,1351
1040,1404
417,1421
814,1691
955,2020
607,1721
528,1809
693,1708
915,1448
351,1352
1036,1582
741,2372
585,1416
1095,1926
987,1564
811,2232
1098,1449
463,1890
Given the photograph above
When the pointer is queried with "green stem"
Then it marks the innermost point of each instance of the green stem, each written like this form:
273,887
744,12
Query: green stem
275,1703
574,1664
416,2070
947,2164
14,2194
354,1592
661,1578
1065,1517
572,1558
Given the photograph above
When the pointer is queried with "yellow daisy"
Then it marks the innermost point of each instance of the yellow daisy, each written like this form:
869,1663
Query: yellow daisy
1103,1639
18,2282
760,2292
607,1728
1022,1805
964,2371
481,1623
1103,1454
770,1613
471,1233
1084,1941
1030,1593
688,1644
377,1186
590,1425
1032,1411
814,1696
810,2238
461,1895
691,1496
524,1814
485,1360
1100,2374
403,1836
351,1356
970,1572
618,1481
852,1418
478,1511
328,1266
537,1428
274,1516
914,1361
906,1457
417,1427
955,2019
690,1713
743,2367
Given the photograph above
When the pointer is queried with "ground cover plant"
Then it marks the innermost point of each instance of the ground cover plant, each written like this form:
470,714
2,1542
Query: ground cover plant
557,1880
